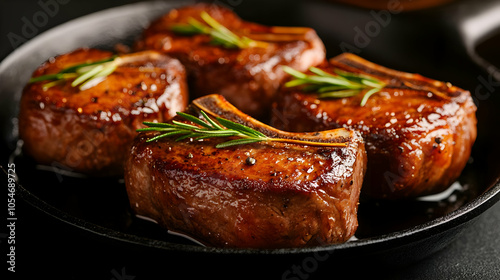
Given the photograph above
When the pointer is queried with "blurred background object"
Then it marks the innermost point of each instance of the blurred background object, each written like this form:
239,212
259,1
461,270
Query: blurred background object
407,5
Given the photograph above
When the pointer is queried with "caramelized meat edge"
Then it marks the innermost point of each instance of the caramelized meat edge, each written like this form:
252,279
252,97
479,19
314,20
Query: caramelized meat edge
287,195
89,131
418,131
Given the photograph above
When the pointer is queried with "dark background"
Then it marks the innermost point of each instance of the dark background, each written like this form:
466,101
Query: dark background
50,249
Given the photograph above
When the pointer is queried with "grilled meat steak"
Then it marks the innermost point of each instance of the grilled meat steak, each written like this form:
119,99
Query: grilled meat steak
89,131
418,132
248,77
260,195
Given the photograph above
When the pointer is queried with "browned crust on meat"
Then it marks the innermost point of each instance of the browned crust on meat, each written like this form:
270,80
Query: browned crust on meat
418,131
293,196
248,77
89,131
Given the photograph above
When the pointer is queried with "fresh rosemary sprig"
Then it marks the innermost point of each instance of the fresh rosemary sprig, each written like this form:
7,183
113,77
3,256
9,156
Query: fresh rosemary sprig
85,75
345,84
220,34
208,128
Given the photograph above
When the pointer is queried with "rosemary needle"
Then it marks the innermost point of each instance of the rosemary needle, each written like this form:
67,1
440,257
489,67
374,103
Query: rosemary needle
344,84
85,75
220,34
209,128
88,74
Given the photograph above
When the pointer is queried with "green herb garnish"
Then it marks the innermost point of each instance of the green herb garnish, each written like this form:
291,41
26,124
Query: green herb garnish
208,128
345,84
85,75
220,34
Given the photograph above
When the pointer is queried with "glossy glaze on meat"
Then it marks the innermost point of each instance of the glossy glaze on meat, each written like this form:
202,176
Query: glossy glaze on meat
418,131
248,78
89,131
261,195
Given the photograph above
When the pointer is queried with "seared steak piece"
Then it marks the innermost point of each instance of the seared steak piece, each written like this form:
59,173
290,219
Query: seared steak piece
248,77
89,131
418,132
260,195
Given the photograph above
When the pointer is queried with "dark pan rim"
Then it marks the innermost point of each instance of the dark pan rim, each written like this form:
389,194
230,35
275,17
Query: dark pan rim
450,221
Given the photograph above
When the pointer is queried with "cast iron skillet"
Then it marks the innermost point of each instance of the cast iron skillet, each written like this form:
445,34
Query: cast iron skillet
396,232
